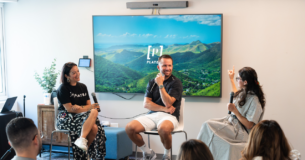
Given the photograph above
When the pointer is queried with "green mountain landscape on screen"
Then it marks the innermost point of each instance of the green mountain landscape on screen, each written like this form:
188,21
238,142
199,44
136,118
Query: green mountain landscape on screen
127,69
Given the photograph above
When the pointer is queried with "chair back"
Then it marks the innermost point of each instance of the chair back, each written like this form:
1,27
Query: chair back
181,122
55,100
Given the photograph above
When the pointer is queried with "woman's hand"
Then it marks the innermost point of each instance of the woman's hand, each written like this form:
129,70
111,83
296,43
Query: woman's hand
95,106
232,108
231,73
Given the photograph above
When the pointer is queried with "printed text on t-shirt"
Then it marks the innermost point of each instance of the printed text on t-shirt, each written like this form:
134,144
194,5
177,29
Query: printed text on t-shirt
78,95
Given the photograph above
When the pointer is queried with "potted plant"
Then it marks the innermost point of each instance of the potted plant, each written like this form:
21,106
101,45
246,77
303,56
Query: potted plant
47,81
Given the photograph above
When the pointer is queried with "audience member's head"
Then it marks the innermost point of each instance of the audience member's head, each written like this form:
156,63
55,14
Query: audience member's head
267,140
23,136
194,150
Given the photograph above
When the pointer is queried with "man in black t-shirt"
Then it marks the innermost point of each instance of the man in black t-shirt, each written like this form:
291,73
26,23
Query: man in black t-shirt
163,99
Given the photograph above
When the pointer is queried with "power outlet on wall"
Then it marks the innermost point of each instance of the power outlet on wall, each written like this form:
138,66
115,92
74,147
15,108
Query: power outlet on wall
106,123
114,125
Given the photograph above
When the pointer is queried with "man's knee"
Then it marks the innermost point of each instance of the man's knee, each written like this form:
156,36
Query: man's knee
132,127
165,130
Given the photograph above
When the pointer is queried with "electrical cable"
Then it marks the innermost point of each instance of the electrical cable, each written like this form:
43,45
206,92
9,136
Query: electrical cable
124,97
89,69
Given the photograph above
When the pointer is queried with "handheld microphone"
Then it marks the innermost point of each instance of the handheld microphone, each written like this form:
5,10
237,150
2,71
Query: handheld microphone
95,100
231,100
23,105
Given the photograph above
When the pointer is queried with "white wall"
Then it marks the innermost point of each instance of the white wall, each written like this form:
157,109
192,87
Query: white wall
266,35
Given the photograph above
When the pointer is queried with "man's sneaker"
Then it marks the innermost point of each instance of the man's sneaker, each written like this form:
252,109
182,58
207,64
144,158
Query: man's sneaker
166,157
150,156
82,143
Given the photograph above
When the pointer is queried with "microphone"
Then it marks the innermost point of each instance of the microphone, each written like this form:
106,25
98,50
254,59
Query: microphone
24,105
231,100
95,100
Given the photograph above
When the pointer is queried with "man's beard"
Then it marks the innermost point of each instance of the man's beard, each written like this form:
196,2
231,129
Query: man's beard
166,76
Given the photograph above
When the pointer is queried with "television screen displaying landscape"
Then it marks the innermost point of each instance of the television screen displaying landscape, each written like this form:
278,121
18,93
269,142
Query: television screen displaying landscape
127,48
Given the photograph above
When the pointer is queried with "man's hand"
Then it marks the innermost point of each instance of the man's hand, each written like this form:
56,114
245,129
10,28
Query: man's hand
159,79
170,109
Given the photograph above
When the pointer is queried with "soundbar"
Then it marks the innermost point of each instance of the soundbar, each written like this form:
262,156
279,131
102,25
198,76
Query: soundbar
156,5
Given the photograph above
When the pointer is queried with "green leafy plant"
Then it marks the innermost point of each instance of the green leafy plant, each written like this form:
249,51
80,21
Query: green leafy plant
48,79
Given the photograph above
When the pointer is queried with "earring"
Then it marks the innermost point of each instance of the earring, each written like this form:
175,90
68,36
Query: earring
68,80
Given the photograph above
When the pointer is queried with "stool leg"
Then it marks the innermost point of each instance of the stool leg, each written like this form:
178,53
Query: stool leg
51,144
172,153
69,145
172,150
136,152
148,141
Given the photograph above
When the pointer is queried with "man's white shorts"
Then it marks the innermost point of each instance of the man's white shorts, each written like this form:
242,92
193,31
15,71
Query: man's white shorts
153,120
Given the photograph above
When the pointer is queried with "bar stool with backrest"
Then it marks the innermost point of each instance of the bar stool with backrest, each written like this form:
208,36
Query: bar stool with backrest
58,130
179,129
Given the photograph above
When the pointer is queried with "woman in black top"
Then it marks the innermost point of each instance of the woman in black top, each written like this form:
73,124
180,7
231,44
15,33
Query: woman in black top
79,116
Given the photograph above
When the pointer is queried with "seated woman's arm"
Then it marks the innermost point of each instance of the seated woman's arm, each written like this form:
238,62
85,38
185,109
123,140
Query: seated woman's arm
242,119
231,76
79,109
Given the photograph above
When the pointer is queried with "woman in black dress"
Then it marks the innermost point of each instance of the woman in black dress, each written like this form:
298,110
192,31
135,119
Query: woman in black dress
79,116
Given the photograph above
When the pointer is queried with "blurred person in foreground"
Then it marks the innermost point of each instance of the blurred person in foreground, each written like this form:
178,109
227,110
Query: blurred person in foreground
194,149
24,137
267,141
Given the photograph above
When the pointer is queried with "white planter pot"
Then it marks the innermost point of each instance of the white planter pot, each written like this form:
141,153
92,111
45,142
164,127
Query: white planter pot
47,98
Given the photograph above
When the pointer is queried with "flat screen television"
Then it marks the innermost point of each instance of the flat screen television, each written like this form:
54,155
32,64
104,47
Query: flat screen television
126,51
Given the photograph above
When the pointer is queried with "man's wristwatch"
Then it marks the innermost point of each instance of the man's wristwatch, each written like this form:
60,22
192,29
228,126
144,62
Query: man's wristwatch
161,86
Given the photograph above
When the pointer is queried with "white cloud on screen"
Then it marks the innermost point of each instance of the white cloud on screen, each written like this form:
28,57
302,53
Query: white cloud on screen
128,35
211,20
147,35
191,36
194,36
170,36
104,35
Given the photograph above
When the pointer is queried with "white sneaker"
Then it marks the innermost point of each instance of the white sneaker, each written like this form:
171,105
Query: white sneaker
150,156
82,143
166,157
